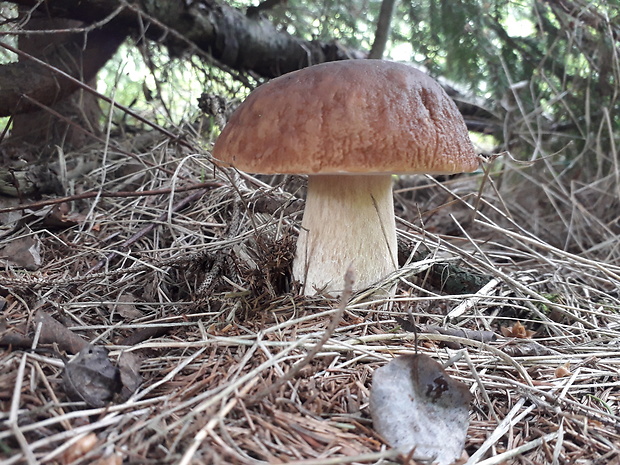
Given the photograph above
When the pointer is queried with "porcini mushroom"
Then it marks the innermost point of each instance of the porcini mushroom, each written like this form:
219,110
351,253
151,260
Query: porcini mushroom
349,126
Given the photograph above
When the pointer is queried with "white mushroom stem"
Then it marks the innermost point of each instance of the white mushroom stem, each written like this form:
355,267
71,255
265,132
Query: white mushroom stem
348,220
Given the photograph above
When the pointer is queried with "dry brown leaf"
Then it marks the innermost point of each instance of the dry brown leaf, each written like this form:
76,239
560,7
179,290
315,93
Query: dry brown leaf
563,370
80,448
125,306
54,332
517,330
129,369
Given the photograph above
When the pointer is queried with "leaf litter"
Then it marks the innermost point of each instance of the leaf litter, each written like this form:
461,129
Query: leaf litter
193,280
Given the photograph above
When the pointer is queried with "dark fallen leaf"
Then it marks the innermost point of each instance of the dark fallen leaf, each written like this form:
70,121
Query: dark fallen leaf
90,376
129,367
23,252
60,216
416,406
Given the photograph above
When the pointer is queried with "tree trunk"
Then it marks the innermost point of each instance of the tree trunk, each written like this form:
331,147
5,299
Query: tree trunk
382,33
41,128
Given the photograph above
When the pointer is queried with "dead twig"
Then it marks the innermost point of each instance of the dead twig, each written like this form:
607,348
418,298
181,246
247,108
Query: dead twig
121,194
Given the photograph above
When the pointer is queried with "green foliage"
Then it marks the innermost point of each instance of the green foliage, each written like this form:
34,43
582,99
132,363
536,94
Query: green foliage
8,19
350,22
548,69
545,64
483,45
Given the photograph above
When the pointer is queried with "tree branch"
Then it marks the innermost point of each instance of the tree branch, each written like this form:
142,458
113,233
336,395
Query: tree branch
246,43
587,14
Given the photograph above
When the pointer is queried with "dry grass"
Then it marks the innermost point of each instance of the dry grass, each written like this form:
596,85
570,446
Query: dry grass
202,294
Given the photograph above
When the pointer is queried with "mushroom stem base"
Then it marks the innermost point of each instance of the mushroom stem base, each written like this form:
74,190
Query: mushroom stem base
348,221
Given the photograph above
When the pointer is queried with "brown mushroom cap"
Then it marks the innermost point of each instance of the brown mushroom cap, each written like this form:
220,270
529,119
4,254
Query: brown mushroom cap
354,116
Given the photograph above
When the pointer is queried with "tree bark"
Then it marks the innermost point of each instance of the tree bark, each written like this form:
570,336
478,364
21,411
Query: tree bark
42,128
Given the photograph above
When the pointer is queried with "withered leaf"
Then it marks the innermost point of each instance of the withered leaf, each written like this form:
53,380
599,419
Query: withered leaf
23,252
129,367
126,307
90,376
517,330
54,332
416,406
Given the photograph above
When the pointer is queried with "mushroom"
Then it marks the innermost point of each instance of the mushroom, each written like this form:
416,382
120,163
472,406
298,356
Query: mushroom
349,126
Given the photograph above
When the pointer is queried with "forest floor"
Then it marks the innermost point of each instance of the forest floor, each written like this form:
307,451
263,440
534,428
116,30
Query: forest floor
181,270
